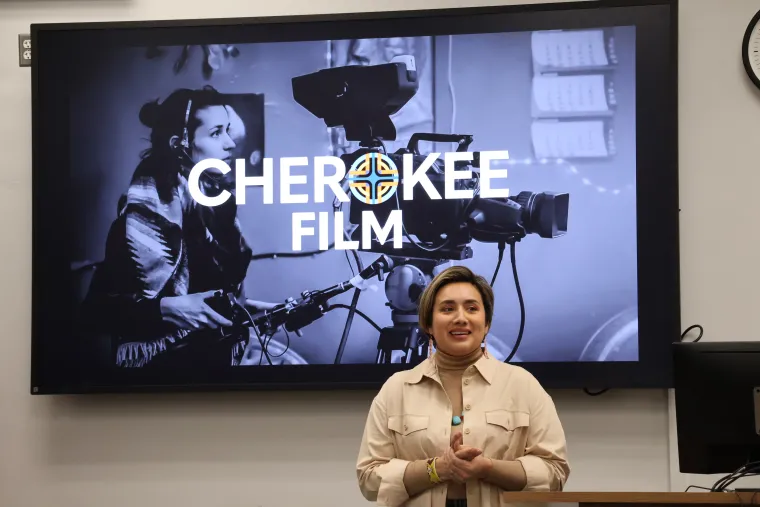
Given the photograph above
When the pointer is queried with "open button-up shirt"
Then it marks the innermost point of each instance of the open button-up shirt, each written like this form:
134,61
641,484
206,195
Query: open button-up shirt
508,415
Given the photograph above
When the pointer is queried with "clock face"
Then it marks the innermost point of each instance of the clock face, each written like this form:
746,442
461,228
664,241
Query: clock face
751,50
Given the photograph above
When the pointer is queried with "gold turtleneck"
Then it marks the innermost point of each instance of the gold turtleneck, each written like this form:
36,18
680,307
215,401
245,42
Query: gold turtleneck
450,370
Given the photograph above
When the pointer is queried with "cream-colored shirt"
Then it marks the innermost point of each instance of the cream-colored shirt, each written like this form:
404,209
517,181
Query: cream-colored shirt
507,414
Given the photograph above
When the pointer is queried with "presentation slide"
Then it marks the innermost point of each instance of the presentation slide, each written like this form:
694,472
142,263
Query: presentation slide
286,203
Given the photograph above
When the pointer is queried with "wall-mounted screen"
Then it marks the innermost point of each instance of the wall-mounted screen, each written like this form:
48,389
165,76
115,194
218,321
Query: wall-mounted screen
259,203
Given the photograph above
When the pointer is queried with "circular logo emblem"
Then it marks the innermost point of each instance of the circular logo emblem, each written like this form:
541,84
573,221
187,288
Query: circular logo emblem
373,178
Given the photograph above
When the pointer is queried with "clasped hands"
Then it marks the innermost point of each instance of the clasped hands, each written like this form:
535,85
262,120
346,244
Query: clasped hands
461,463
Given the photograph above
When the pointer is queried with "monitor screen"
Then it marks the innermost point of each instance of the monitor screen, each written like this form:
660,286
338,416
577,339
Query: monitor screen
725,440
260,203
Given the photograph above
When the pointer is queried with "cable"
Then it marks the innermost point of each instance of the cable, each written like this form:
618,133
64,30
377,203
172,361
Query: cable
350,266
683,335
347,327
498,262
519,294
358,312
694,326
696,487
750,469
262,343
287,346
351,309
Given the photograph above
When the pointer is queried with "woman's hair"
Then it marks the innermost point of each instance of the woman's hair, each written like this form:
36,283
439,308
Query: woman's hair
168,119
454,274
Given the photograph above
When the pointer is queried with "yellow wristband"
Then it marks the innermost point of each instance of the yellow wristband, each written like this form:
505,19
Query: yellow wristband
432,472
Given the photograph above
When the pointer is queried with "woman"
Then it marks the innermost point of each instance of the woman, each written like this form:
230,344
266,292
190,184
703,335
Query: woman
165,254
461,427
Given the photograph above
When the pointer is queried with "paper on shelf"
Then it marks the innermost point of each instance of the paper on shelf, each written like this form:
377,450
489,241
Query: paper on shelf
569,139
567,94
569,49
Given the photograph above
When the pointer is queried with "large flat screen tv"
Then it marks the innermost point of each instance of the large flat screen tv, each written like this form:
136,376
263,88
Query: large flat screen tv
258,203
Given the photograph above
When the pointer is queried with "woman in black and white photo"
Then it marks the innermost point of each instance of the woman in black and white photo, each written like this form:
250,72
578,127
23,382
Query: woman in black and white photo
166,255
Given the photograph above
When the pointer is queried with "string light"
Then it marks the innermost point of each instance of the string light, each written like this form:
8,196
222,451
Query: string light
570,168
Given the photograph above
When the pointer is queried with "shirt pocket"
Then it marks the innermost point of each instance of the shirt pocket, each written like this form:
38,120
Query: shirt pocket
506,433
410,434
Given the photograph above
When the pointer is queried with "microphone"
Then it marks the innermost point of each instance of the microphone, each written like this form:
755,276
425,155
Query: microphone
381,265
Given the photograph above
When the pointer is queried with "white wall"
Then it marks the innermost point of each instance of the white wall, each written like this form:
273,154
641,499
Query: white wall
292,449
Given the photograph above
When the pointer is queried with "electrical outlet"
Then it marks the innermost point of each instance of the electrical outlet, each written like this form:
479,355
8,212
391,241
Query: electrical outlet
24,50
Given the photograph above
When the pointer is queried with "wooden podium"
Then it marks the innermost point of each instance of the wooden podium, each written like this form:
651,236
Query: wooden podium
635,499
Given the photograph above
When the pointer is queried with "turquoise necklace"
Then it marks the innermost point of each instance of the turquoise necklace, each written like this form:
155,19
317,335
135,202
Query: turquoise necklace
457,420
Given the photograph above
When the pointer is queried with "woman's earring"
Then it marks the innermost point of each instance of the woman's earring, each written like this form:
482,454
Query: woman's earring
430,347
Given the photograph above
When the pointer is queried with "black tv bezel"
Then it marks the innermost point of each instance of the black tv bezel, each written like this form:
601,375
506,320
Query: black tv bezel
656,193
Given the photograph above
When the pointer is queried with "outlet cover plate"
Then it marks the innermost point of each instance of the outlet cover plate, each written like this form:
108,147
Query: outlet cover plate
24,50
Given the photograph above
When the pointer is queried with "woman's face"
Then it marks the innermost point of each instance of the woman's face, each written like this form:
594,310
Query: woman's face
459,319
212,138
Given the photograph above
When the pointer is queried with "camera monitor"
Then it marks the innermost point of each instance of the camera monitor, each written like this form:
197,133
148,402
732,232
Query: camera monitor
717,393
260,203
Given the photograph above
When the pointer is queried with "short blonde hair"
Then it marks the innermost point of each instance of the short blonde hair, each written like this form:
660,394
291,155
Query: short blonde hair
454,274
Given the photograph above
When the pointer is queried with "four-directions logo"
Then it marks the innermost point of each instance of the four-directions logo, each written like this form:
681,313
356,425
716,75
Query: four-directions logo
373,178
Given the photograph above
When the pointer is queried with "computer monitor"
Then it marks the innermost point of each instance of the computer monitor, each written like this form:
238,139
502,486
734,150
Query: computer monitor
717,392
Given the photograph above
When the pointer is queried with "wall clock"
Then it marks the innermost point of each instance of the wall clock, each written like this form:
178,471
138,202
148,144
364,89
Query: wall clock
751,49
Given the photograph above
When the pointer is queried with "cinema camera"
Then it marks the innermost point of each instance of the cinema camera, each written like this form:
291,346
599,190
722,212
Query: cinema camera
361,99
